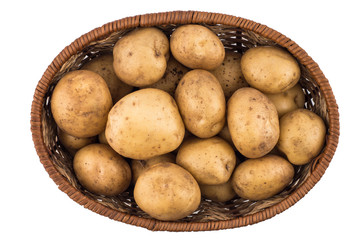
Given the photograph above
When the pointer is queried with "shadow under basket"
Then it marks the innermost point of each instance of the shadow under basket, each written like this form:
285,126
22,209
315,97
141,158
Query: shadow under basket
237,34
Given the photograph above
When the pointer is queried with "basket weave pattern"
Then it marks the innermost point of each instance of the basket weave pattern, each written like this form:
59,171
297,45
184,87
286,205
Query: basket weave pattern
237,34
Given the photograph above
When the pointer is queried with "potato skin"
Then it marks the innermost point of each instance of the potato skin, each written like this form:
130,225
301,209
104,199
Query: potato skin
225,134
172,76
262,178
140,166
140,56
101,170
302,136
201,103
229,74
270,69
211,161
197,47
103,65
253,122
289,100
144,124
80,103
167,192
219,193
73,144
102,138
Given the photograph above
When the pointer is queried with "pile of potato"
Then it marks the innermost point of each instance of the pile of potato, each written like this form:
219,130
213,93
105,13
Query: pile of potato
167,118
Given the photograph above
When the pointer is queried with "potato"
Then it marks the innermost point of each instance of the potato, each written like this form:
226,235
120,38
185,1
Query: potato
302,136
196,46
101,170
277,152
270,69
102,138
167,192
140,56
219,193
253,122
140,166
211,161
71,143
186,136
80,103
144,124
103,65
289,100
262,178
225,134
229,74
173,74
201,103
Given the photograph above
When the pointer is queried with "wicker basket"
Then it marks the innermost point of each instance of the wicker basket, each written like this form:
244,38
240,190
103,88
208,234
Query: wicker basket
237,34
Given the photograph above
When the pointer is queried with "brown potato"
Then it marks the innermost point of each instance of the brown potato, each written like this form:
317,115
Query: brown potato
73,144
103,65
140,56
186,136
140,166
229,74
270,69
101,170
289,100
225,134
102,138
253,122
167,192
211,161
302,136
262,178
80,103
173,74
219,193
197,47
144,124
201,103
277,152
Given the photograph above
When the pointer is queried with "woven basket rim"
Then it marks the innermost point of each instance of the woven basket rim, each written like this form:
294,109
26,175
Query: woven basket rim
184,17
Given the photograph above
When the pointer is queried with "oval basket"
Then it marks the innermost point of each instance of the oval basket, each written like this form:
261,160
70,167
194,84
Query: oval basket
237,34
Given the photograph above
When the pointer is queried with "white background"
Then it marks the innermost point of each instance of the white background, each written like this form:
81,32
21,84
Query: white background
34,32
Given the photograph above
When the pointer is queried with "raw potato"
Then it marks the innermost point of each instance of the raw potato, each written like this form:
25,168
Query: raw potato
225,134
140,56
80,103
186,136
167,192
289,100
253,122
277,152
102,138
211,161
302,136
101,170
229,74
270,69
140,166
201,103
197,47
173,74
144,124
262,178
219,193
73,144
103,65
